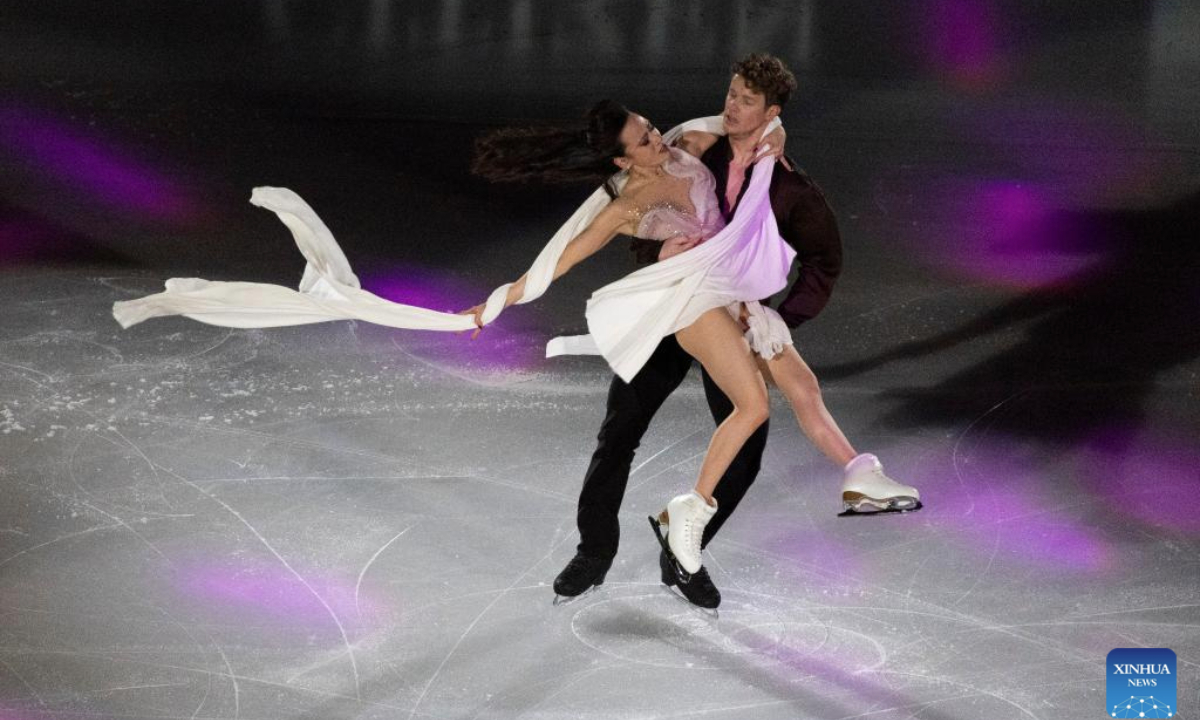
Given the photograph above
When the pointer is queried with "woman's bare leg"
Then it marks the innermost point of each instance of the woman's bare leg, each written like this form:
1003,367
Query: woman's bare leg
716,341
788,372
865,487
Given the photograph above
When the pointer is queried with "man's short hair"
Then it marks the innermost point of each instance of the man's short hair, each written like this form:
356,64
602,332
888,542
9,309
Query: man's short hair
768,75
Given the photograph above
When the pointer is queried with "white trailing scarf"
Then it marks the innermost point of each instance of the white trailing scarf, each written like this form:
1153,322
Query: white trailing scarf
329,290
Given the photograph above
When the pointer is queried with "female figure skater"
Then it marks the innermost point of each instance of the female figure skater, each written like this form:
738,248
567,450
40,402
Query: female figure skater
663,193
669,196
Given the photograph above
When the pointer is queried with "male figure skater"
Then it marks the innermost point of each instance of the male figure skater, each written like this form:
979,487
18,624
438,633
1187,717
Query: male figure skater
760,87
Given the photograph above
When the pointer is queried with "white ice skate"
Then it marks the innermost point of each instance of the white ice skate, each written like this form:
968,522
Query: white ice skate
686,517
865,489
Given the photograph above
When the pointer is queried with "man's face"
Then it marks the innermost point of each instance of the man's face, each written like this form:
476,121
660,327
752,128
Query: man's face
746,110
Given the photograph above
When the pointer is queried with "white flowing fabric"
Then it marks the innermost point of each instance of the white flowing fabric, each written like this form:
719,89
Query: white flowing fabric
745,261
329,290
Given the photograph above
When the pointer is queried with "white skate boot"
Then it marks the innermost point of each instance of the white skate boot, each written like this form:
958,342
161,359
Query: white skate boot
865,489
686,517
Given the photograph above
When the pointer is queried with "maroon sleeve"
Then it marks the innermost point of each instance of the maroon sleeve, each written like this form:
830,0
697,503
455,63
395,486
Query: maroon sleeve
811,228
645,252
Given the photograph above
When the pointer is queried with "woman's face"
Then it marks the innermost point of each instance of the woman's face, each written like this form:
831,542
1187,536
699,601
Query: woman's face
643,144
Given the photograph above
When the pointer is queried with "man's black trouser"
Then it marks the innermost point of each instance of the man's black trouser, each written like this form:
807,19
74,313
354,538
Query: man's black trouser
631,407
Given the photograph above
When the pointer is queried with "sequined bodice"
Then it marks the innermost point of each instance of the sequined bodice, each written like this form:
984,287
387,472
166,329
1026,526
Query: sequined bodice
666,218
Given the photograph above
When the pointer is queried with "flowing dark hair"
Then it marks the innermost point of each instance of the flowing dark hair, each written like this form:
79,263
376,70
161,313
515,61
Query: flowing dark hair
555,154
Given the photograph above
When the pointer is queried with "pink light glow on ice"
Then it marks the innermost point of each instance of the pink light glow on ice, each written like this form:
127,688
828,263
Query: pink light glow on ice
503,345
1005,515
272,592
1145,476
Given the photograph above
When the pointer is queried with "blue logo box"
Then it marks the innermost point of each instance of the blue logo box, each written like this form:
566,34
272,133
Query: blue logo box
1141,683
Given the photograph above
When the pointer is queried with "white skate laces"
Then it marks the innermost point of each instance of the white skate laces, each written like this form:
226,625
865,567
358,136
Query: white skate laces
866,488
687,517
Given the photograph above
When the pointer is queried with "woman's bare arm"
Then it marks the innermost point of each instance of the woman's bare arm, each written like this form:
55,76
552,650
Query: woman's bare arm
612,220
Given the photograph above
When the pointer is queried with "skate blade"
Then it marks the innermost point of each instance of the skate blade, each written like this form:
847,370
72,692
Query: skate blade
713,614
568,599
854,503
656,524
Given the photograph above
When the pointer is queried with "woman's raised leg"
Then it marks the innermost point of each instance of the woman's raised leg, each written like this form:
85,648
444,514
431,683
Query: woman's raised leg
865,487
788,372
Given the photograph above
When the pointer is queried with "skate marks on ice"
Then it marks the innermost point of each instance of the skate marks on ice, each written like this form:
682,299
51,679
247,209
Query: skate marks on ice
328,445
819,661
653,629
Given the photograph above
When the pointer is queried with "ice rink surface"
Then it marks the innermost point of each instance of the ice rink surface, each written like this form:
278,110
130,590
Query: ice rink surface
348,521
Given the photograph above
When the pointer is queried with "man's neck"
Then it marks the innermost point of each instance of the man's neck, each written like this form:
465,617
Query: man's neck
743,144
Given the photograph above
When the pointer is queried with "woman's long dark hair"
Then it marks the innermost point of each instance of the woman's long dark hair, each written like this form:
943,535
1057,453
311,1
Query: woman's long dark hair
555,154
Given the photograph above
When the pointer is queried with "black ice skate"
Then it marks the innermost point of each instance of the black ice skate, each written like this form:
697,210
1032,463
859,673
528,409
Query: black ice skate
583,574
699,591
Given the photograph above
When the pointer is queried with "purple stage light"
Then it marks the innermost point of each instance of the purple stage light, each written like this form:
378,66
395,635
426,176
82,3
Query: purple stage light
437,289
21,239
1145,477
834,566
502,346
960,41
1018,224
272,592
1085,151
1003,232
84,162
1005,514
1030,529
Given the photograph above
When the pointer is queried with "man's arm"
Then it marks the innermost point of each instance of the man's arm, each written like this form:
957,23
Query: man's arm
645,252
812,230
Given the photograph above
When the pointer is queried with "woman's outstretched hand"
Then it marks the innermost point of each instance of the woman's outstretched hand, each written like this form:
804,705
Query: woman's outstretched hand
477,311
672,246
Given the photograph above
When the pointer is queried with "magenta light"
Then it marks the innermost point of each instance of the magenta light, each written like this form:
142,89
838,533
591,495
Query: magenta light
830,565
1001,231
959,41
85,161
271,591
1049,162
1007,514
22,239
1144,476
515,342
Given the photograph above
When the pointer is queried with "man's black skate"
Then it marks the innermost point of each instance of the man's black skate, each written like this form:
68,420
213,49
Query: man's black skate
699,591
582,573
682,577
